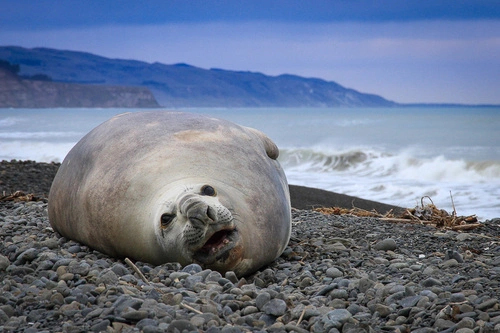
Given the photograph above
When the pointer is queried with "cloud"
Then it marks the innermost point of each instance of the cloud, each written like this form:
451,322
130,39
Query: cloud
45,14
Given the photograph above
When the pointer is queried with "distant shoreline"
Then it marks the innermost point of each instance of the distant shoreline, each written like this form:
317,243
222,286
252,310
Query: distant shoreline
447,105
171,107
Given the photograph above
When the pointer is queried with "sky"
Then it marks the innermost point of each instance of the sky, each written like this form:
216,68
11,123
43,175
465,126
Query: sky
411,51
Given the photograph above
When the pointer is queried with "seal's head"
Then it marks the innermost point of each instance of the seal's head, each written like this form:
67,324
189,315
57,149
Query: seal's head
196,227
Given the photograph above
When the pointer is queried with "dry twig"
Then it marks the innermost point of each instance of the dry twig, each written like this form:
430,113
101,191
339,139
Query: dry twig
19,196
184,305
137,270
427,214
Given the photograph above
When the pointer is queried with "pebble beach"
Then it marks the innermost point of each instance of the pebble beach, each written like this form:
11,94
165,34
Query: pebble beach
338,274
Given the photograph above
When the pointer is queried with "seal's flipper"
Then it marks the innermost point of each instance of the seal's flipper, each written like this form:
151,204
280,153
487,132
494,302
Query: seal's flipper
271,149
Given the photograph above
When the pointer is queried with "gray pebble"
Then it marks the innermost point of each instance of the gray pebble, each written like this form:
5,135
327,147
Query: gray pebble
119,269
487,304
336,318
192,269
125,301
262,299
27,256
339,293
77,267
180,325
387,244
430,282
334,272
410,301
4,263
134,315
275,307
101,326
231,276
179,275
464,330
457,297
107,276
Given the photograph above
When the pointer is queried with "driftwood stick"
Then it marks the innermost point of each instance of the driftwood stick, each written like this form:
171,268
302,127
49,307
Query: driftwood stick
303,258
453,205
466,226
301,316
184,305
137,270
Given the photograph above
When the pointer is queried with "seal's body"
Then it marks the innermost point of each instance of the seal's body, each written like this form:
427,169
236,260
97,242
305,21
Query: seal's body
175,187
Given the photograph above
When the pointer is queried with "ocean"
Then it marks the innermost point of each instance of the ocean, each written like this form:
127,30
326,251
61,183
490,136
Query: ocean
391,155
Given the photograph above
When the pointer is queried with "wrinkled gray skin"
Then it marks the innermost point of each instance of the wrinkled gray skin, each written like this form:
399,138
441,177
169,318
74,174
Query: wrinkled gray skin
175,187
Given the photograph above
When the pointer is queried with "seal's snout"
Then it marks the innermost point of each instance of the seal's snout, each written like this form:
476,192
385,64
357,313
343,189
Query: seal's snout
202,213
197,210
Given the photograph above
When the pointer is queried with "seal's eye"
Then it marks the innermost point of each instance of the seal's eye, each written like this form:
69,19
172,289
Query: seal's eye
208,190
166,219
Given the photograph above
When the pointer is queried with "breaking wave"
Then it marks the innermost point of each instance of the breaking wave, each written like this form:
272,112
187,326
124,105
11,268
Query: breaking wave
372,163
399,179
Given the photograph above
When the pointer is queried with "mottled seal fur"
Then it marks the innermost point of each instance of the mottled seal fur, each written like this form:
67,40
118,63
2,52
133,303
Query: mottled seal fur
175,187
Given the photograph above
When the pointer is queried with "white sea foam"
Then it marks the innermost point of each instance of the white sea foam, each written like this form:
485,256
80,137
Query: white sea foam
400,179
10,121
38,135
39,151
371,163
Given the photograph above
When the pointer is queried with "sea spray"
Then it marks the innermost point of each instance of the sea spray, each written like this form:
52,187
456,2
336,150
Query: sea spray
400,179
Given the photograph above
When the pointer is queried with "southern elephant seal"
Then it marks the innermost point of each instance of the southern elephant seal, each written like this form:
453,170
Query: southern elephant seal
175,187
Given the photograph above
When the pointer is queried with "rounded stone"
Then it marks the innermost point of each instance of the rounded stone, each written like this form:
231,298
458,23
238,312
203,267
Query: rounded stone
180,325
464,330
231,276
487,304
27,256
249,310
382,309
387,244
134,315
81,268
337,317
466,323
192,269
450,263
334,272
457,297
430,282
275,307
4,263
101,326
179,275
262,299
339,293
107,277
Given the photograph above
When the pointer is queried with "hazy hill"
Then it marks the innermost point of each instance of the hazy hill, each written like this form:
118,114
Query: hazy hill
16,92
184,85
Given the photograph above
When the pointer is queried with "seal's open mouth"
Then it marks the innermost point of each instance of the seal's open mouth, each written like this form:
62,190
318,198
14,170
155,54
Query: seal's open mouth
217,247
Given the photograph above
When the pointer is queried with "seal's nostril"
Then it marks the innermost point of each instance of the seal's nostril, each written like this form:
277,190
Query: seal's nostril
211,213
